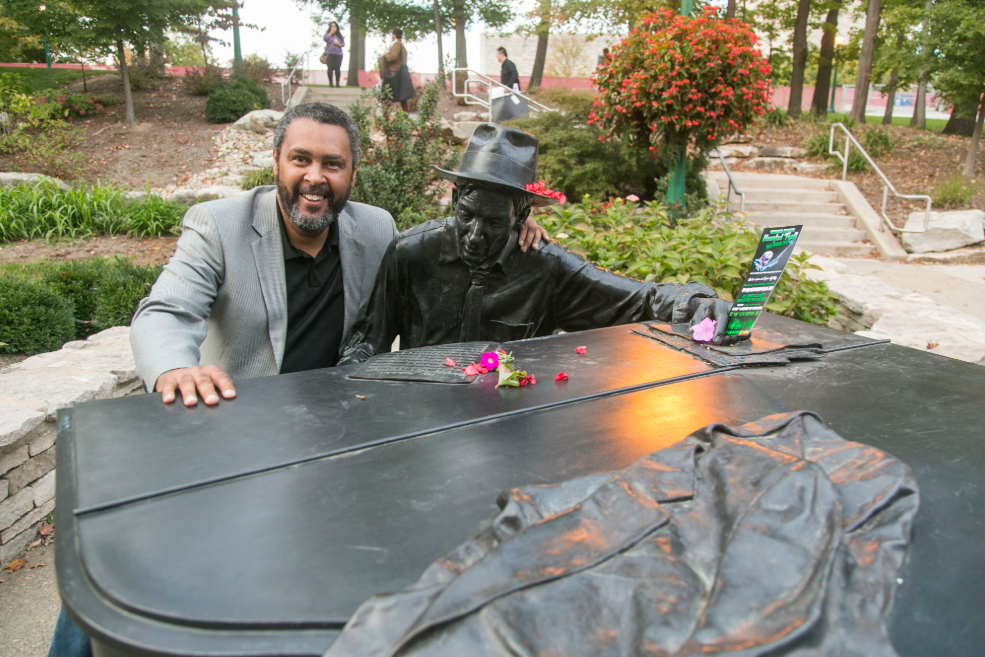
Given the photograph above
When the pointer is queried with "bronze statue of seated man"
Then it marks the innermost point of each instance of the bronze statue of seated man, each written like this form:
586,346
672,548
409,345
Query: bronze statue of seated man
464,278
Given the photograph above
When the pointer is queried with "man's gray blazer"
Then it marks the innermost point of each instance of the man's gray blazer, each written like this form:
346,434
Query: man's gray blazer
222,298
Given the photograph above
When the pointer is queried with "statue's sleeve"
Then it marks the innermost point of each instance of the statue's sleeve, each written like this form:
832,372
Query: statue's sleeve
588,297
378,322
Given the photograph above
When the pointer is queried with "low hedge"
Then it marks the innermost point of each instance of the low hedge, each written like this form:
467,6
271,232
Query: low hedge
44,305
229,101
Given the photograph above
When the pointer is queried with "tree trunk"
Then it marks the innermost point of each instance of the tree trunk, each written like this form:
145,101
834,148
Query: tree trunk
461,50
799,58
865,57
85,86
127,94
919,118
730,9
155,63
887,118
357,46
540,57
962,121
976,138
819,105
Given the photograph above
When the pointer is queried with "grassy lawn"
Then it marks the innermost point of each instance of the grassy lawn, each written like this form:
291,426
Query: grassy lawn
39,79
934,125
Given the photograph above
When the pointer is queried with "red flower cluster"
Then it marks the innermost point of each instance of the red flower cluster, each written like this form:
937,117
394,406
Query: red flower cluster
678,80
540,189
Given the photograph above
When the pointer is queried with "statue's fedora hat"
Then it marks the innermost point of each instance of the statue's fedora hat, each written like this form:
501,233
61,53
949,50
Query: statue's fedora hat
501,157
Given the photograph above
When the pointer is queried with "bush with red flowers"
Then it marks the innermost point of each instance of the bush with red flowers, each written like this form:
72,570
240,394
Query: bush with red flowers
679,80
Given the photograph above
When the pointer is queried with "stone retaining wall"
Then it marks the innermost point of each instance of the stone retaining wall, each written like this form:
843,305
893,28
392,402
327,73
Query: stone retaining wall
31,392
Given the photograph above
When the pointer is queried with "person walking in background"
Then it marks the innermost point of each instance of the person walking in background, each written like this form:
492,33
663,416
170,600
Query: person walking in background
508,75
334,42
394,71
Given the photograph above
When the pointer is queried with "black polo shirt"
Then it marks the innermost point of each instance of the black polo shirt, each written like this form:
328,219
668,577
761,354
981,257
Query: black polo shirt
315,305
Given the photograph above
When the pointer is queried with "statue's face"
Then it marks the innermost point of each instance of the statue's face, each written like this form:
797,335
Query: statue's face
484,218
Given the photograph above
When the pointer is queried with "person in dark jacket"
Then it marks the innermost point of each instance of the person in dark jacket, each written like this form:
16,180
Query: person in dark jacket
508,75
334,42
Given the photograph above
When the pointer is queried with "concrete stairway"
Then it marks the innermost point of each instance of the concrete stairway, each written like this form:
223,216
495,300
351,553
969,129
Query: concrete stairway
341,97
783,200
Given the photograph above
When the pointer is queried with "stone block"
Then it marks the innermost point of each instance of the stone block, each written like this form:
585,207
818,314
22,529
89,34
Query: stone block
31,470
56,388
946,231
466,116
112,333
452,134
44,438
192,196
15,507
4,489
115,358
17,422
811,167
17,545
263,161
12,179
27,522
738,150
259,121
11,460
44,489
762,163
782,151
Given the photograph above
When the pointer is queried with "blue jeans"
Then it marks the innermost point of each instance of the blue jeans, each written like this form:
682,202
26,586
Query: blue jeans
69,640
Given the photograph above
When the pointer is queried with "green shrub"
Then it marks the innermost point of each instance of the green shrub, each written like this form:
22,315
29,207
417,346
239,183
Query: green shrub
45,211
228,102
856,162
122,286
78,281
576,103
877,142
33,317
776,117
955,192
816,144
396,173
712,247
256,68
139,78
202,83
259,177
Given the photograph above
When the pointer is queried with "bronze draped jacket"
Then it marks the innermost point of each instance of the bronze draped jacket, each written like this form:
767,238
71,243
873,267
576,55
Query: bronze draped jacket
428,295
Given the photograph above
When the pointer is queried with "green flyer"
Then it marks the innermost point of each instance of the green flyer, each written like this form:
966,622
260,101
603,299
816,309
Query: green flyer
775,248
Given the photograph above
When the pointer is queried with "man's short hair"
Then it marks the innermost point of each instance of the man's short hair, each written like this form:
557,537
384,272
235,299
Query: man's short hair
502,50
397,32
326,115
520,200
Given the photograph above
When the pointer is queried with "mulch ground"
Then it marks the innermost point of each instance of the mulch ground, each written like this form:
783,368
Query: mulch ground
170,142
920,161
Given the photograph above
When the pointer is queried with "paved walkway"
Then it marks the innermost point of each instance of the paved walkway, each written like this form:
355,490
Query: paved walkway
29,605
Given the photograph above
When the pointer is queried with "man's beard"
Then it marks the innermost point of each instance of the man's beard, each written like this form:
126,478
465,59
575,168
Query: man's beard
311,224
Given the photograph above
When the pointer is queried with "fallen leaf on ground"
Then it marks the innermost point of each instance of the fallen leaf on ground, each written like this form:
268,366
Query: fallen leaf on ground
46,529
561,376
36,565
34,544
360,396
580,350
450,363
14,565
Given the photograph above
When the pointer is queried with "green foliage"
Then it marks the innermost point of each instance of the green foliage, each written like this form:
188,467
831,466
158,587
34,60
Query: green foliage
47,149
33,317
40,79
856,161
395,174
574,103
229,101
201,83
877,142
44,211
77,281
955,192
816,144
712,247
181,50
259,177
255,68
776,117
122,287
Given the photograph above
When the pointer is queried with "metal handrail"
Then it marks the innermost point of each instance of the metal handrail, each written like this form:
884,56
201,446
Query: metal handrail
886,185
485,79
731,184
305,71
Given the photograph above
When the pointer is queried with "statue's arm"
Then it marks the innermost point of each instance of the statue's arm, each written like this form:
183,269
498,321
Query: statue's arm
588,296
378,323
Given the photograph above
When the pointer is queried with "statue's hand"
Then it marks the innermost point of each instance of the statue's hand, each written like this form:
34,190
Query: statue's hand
532,234
716,309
